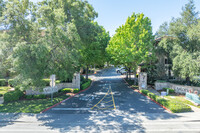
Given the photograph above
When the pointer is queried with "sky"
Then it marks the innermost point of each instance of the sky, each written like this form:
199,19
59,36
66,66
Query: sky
113,13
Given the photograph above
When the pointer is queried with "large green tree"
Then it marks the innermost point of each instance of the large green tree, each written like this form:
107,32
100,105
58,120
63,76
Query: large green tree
133,42
94,47
183,43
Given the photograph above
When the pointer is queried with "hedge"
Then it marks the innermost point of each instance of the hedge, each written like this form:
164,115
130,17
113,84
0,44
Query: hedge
170,90
86,84
173,105
2,82
67,90
11,82
13,95
46,82
76,90
144,91
152,96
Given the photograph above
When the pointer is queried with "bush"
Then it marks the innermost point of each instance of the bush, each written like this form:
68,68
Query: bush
29,96
152,96
144,91
1,95
86,84
67,90
41,96
83,80
11,82
170,90
76,90
2,82
13,95
46,82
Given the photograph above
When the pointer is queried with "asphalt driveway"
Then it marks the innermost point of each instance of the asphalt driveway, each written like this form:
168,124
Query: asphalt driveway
108,92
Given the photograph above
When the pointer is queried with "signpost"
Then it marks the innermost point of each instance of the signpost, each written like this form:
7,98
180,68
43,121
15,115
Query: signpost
52,84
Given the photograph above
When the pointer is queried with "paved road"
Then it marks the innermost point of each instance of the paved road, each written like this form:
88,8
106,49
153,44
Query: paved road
109,92
133,113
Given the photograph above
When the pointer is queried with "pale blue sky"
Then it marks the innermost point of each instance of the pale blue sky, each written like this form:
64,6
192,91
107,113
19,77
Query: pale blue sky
113,13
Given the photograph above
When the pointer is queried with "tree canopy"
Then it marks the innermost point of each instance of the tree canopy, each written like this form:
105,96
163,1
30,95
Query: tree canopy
183,44
49,37
133,42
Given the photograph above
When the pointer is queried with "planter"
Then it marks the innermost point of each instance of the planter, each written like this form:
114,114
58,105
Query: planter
1,100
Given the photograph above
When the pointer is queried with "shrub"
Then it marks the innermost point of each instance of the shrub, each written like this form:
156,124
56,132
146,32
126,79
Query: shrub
67,90
46,82
29,96
170,90
86,84
58,81
152,96
76,90
83,80
1,95
41,96
161,81
162,101
144,91
2,82
13,96
11,82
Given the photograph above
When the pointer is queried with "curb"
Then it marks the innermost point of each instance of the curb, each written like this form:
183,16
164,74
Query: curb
149,98
65,99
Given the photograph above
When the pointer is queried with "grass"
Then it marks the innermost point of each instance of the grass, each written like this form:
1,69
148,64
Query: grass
30,106
182,100
3,90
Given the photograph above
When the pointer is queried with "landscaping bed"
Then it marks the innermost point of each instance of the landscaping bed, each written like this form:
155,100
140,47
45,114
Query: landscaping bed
30,106
4,89
181,99
172,104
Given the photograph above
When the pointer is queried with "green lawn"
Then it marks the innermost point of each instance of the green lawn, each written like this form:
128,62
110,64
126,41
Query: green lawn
30,106
4,89
181,99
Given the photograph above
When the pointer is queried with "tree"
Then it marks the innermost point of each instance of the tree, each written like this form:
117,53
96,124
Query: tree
93,52
183,46
132,43
163,30
46,38
2,7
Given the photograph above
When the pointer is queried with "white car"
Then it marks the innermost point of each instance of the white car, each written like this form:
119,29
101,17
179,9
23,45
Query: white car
121,70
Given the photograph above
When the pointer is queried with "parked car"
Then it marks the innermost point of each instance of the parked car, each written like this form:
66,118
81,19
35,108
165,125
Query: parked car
121,70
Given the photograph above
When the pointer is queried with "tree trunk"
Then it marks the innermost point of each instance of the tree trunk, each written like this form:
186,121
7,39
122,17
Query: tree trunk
126,75
188,81
87,72
129,71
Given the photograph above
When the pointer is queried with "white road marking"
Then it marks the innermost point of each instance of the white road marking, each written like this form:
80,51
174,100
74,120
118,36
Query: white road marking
71,109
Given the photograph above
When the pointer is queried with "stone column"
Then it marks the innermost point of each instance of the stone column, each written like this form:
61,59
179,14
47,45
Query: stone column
142,80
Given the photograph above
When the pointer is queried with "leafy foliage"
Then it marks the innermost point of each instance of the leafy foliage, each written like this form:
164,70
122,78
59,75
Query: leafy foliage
2,82
132,43
183,45
13,96
171,104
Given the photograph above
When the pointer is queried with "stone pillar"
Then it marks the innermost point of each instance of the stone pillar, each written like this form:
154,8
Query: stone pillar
142,81
76,80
